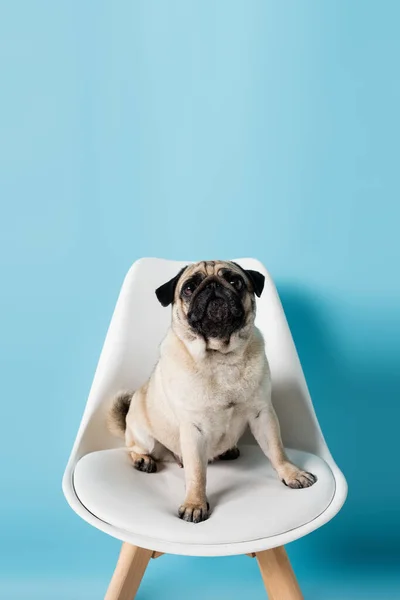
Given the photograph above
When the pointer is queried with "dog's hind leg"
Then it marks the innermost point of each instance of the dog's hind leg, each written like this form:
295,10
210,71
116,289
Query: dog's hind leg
143,449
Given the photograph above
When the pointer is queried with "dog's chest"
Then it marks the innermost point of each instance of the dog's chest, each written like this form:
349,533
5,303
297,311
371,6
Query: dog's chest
223,428
227,385
220,402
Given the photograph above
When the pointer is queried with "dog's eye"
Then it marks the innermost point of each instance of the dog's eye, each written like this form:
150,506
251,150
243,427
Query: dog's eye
236,282
189,289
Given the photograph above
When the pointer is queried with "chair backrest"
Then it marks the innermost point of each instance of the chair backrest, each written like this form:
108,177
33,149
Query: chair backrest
131,350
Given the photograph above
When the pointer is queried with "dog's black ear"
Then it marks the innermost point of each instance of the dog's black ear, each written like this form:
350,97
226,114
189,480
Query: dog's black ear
165,293
257,279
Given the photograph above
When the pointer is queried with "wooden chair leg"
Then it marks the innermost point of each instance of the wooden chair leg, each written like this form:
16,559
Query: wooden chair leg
128,574
278,576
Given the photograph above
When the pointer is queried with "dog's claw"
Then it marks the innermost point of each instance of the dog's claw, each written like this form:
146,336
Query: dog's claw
179,461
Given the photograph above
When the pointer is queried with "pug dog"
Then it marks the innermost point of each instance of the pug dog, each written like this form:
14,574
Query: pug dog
212,380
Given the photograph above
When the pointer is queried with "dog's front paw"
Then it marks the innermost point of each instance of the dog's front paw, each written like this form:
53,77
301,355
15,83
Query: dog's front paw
193,512
144,463
295,478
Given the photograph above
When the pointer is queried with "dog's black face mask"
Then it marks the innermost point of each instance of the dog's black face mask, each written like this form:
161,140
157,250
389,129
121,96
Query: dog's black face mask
215,310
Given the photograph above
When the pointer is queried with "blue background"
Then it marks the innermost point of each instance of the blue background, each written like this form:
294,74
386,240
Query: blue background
199,130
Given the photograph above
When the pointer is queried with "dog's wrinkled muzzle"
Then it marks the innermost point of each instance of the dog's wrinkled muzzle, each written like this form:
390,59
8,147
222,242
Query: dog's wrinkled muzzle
216,311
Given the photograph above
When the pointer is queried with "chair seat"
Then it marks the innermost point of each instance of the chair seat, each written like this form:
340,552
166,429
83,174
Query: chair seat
248,501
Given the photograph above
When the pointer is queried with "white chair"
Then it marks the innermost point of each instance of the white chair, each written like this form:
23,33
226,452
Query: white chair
252,512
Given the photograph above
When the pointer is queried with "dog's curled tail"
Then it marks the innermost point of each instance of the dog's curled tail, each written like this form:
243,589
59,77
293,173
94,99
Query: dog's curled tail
116,418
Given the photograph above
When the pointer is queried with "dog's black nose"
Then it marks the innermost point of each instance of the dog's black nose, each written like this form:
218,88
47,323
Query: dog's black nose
217,310
215,284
